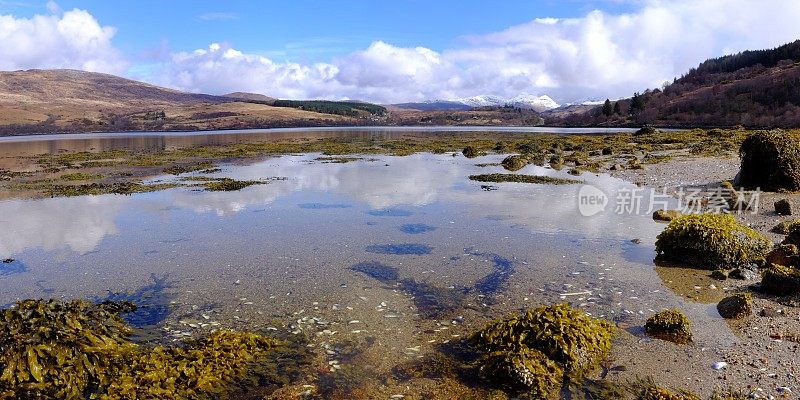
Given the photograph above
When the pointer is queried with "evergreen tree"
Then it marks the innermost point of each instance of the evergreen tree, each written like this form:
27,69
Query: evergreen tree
637,103
607,108
617,109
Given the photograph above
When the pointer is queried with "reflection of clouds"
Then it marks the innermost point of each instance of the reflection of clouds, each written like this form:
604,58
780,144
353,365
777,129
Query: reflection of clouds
76,223
412,180
554,208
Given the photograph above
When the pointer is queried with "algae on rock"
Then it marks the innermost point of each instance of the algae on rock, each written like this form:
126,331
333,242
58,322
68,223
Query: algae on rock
574,341
736,306
770,161
670,325
711,241
77,349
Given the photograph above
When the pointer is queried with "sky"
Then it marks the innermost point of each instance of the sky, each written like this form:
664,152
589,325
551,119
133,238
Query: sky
392,51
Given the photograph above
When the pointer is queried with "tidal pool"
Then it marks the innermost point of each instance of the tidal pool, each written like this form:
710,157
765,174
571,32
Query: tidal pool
392,255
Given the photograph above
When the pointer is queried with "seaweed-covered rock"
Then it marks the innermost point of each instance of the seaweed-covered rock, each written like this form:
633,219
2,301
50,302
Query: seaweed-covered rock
770,161
607,151
785,254
711,241
736,306
670,325
666,215
780,280
470,152
719,274
784,227
793,236
574,340
526,370
659,393
783,207
514,163
646,130
50,349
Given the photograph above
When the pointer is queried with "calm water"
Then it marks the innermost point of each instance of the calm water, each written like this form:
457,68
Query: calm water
387,251
50,144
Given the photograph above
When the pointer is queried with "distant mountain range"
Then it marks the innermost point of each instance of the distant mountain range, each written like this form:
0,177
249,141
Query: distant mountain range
525,101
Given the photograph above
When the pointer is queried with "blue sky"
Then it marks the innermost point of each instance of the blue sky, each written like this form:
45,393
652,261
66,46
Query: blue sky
392,51
308,31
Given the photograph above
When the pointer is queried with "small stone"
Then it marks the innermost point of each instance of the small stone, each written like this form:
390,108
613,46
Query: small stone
636,241
783,207
744,274
769,312
616,167
666,215
719,365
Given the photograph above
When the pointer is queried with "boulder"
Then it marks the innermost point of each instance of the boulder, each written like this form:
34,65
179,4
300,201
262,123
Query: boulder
780,280
670,325
783,207
770,161
784,254
514,163
711,241
736,306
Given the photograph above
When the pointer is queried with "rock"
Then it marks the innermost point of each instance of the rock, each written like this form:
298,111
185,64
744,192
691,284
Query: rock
736,306
607,151
783,207
666,215
780,280
770,161
719,274
719,365
670,325
711,241
785,254
769,312
616,167
646,130
514,163
784,227
470,152
745,274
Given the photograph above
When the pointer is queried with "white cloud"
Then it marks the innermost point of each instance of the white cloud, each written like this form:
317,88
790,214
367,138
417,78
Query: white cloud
595,56
73,39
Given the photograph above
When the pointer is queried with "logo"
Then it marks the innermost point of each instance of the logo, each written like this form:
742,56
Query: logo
591,200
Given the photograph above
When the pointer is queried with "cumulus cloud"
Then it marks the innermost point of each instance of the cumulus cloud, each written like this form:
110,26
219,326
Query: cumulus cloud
596,56
72,39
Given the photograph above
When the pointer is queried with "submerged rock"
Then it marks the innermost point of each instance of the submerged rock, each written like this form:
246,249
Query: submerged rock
770,161
736,306
711,241
670,325
574,341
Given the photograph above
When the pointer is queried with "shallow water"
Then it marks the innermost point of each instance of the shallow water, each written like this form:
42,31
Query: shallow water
95,142
402,253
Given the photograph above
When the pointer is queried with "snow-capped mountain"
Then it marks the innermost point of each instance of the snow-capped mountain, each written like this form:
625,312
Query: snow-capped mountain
538,103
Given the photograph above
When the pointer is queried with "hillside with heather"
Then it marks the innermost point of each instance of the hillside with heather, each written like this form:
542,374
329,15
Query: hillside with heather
753,89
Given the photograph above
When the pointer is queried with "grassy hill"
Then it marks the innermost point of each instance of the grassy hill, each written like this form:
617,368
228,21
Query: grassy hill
753,88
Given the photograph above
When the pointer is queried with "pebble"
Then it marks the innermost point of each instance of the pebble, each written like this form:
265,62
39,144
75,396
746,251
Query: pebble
719,365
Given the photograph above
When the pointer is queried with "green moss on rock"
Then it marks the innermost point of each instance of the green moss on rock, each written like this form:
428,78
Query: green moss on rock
569,337
670,325
770,161
736,306
470,152
519,178
711,241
